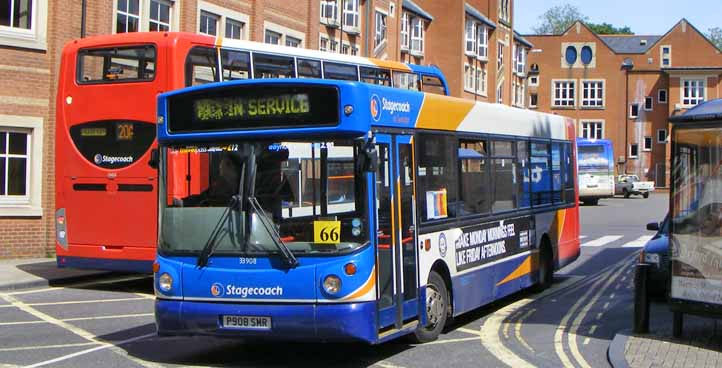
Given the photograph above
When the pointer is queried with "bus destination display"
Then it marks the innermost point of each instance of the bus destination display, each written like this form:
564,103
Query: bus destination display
243,107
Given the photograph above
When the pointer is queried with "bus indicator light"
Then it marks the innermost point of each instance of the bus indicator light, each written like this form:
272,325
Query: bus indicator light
350,269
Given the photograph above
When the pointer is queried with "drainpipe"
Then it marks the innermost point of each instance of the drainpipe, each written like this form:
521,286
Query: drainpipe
83,17
343,18
369,5
627,65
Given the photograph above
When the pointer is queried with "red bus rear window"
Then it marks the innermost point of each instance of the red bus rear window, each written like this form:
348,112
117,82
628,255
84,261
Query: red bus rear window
116,65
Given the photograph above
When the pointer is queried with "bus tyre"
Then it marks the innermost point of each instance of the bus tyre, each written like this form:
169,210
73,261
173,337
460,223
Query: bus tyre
591,202
546,270
437,305
645,195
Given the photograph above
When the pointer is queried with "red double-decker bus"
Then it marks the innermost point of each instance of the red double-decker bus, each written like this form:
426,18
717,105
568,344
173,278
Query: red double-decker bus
106,190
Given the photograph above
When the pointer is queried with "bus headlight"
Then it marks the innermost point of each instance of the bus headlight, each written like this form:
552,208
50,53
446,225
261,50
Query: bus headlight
165,282
652,258
332,284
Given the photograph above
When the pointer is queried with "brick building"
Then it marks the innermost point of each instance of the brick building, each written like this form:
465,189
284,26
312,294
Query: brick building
624,88
472,41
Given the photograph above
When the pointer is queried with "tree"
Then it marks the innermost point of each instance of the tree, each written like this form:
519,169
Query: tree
715,35
607,29
558,18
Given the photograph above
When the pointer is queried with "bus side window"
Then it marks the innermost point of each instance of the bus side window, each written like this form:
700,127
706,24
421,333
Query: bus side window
432,84
569,177
308,68
405,80
236,64
436,177
340,71
201,66
376,76
273,66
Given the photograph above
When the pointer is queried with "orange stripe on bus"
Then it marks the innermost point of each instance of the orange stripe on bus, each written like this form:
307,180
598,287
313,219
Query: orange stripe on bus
523,269
394,65
366,287
443,112
341,177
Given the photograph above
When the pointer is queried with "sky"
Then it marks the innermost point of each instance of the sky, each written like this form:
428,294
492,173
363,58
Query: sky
644,17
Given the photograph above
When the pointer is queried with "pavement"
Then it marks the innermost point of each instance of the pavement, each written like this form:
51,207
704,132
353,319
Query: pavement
700,345
41,272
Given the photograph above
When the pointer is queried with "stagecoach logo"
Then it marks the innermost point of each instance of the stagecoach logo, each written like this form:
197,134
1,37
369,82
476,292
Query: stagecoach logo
103,159
217,289
442,244
375,107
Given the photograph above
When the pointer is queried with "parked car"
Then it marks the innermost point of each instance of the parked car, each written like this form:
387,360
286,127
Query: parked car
627,185
656,253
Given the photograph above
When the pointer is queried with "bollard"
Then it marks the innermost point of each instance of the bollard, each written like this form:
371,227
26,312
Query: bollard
641,298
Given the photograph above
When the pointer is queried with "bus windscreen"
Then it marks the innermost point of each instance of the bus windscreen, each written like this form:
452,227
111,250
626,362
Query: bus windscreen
240,107
592,157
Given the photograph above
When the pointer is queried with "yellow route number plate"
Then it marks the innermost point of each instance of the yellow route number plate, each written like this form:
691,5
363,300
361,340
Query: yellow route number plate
327,232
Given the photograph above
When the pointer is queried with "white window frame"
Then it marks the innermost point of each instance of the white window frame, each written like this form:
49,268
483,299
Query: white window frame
482,74
30,205
160,23
659,96
127,15
482,42
532,80
144,15
352,9
533,105
500,56
631,114
288,38
662,56
335,18
504,10
405,34
284,31
209,15
564,85
34,38
644,143
470,37
500,92
649,99
323,37
594,127
666,137
630,150
593,101
238,22
688,98
380,28
224,14
468,78
417,36
520,61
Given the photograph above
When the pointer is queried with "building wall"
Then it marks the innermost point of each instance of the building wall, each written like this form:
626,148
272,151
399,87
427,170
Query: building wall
690,50
32,71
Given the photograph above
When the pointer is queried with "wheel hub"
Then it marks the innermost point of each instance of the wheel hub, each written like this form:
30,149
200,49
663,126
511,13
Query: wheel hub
435,307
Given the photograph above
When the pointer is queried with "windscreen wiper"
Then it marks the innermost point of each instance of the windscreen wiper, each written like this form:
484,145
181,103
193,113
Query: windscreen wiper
267,223
212,241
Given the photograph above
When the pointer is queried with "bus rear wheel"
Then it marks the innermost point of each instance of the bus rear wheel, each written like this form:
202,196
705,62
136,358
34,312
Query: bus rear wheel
437,305
546,269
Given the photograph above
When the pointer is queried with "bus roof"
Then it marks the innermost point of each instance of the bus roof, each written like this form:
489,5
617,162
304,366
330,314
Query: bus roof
137,38
375,106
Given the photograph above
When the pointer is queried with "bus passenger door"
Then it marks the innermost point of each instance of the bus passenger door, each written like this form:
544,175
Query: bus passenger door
398,306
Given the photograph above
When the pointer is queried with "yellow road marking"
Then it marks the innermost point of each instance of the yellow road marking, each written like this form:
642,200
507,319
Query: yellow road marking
576,353
559,334
59,346
383,364
21,323
517,329
79,285
613,294
592,329
606,305
599,316
101,347
108,317
586,341
448,341
84,301
469,331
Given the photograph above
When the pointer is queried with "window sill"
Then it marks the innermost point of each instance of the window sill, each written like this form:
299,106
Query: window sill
593,107
20,211
330,23
469,53
25,40
650,110
419,54
354,31
533,107
563,107
483,59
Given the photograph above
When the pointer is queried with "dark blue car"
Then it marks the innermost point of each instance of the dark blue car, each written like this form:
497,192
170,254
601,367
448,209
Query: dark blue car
655,252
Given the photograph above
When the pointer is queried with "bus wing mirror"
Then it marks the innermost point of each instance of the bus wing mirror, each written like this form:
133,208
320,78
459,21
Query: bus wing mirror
154,158
370,158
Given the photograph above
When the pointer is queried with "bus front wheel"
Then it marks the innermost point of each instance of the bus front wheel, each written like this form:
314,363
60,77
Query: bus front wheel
437,305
